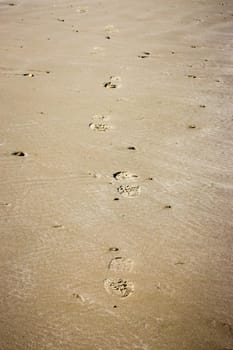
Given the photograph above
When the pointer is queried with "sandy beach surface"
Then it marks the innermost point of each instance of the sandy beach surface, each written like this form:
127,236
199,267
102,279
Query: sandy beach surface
116,175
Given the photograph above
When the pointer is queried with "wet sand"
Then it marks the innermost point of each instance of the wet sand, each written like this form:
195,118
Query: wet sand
116,170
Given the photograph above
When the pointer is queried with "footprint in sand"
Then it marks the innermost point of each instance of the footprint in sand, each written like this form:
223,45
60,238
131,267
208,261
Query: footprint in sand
224,330
145,54
99,123
113,249
19,154
120,264
79,297
192,76
5,204
129,191
120,288
84,300
113,83
30,75
124,175
223,327
98,126
192,126
57,226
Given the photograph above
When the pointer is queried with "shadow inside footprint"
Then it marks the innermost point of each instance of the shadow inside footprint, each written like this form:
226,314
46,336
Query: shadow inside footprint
124,175
145,54
192,126
19,154
30,75
113,83
110,85
113,249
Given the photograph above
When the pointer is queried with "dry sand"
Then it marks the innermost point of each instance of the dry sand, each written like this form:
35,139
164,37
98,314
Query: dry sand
116,217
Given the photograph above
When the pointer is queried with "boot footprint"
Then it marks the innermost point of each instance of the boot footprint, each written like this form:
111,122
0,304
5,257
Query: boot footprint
120,288
113,83
120,264
99,124
129,191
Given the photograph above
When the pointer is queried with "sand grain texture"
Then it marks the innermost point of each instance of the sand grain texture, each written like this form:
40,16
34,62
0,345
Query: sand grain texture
168,102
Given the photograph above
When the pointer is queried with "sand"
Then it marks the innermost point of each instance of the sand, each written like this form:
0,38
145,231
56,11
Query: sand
116,169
